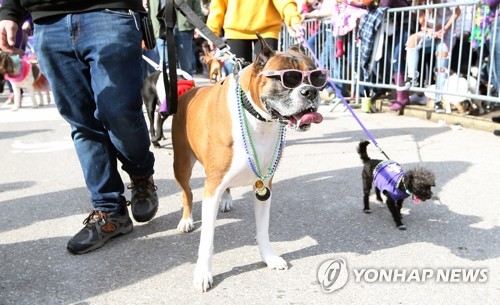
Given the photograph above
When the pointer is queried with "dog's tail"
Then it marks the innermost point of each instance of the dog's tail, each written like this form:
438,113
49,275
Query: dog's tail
363,154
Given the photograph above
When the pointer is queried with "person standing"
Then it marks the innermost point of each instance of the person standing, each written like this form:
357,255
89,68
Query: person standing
90,52
242,19
495,45
184,35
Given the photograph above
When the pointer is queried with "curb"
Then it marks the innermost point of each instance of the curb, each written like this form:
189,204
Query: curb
482,122
451,118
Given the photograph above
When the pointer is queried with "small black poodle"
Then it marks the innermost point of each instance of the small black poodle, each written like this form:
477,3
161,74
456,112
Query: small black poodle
396,184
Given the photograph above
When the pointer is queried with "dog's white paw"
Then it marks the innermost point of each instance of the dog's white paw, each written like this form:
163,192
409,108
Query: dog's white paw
14,109
226,205
276,262
186,225
226,201
202,280
402,227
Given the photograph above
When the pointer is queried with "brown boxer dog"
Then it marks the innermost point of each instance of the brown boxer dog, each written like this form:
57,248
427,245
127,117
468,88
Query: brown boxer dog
235,129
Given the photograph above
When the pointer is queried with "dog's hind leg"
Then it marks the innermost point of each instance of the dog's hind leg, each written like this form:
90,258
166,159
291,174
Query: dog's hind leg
395,211
150,110
367,186
183,167
157,133
262,214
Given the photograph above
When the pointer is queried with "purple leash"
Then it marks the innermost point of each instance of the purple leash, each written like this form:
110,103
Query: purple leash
342,98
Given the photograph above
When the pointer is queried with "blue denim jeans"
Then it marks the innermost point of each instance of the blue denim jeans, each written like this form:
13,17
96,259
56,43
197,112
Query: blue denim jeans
184,50
328,61
93,63
496,55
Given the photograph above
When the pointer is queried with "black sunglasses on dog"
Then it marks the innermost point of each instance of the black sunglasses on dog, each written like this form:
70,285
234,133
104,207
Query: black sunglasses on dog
292,78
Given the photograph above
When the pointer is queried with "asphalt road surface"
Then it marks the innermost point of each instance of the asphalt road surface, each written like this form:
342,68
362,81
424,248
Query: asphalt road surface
449,253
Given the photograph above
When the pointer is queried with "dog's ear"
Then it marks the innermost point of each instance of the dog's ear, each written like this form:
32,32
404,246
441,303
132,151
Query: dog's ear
265,53
298,48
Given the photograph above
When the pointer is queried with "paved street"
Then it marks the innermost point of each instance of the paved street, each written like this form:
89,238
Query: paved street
316,216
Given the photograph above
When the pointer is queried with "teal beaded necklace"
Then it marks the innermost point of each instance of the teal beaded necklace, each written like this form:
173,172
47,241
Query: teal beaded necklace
253,158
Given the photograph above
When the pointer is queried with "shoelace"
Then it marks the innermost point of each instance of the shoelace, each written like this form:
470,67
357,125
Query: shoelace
94,217
141,186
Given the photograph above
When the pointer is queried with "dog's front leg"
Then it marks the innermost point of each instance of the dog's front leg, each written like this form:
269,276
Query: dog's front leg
35,98
395,213
17,98
203,273
262,211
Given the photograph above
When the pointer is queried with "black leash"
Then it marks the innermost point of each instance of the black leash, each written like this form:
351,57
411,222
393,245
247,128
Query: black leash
169,20
170,81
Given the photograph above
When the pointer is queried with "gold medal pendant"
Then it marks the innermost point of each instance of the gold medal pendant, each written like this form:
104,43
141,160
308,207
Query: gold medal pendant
261,192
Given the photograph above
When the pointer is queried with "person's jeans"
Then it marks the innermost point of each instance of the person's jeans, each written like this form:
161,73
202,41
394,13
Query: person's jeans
94,66
185,53
161,45
328,61
184,49
496,54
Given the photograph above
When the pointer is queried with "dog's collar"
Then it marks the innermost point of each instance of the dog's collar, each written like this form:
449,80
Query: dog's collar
24,68
401,182
247,105
415,199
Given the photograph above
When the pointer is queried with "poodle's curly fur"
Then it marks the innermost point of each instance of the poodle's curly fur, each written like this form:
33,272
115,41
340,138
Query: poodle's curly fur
417,181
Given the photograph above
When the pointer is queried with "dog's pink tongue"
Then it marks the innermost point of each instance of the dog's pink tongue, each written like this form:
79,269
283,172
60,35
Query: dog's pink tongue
310,117
416,200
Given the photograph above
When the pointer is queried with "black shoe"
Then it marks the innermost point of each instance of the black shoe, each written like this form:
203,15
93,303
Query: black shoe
144,199
496,132
496,119
99,228
438,107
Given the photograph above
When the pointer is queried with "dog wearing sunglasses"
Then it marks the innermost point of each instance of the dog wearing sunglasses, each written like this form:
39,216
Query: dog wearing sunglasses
235,129
397,185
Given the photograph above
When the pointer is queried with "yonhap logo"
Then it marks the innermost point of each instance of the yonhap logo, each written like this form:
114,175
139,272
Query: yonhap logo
333,274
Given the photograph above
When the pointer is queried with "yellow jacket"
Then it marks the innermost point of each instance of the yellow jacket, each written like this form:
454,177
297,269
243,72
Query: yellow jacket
241,19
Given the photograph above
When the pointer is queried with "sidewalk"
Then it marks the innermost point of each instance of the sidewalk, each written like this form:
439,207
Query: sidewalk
478,122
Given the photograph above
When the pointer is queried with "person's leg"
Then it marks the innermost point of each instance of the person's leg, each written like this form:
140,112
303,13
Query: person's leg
100,97
496,66
441,71
147,68
328,61
69,74
161,46
241,48
399,63
413,47
495,54
185,49
339,46
311,41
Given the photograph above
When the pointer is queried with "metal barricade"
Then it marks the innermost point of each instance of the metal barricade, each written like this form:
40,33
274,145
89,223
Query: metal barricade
438,63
